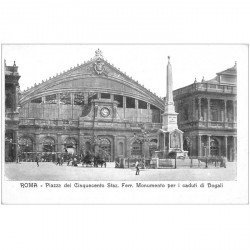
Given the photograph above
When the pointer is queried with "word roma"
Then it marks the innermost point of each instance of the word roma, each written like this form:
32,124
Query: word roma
35,185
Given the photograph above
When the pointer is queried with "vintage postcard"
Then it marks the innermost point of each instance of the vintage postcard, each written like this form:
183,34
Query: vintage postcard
130,124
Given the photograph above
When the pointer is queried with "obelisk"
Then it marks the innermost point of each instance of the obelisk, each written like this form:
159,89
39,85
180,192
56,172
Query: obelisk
169,116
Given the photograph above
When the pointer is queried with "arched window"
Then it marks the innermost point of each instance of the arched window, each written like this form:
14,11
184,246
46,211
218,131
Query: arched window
136,148
214,147
105,146
48,144
70,145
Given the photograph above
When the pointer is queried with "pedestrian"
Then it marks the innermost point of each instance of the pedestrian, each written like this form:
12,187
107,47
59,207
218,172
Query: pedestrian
37,161
62,160
68,161
58,160
137,168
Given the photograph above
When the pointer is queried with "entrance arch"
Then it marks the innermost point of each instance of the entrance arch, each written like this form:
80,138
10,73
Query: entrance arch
214,147
70,145
25,149
48,144
105,147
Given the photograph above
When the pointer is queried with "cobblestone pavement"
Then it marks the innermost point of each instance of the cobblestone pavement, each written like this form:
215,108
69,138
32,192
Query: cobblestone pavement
47,171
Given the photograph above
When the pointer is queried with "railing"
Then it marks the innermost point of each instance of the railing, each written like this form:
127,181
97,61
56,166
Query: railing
208,87
146,125
207,124
51,123
11,115
12,69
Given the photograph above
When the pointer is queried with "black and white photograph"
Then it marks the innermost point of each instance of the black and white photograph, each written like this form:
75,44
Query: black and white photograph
124,125
92,121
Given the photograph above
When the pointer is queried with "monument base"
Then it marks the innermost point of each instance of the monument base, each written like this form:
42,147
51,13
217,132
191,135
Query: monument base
171,144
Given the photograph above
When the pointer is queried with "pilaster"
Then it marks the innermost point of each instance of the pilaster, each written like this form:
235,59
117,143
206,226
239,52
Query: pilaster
235,148
199,108
208,109
59,142
208,145
124,106
225,144
225,110
72,97
194,109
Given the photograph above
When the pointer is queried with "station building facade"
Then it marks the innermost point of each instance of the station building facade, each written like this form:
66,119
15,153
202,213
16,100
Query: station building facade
91,104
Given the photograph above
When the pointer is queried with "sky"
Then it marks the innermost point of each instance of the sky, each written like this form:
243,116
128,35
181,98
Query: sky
144,63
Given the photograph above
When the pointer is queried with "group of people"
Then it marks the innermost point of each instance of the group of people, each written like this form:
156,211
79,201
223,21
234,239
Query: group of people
75,160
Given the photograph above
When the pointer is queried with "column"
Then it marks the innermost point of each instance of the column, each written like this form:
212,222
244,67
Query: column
36,143
234,112
16,147
199,107
192,145
98,95
235,148
208,145
43,103
136,108
194,110
225,110
225,144
126,142
72,104
148,109
199,145
208,110
124,106
81,141
16,98
59,142
114,148
58,104
28,109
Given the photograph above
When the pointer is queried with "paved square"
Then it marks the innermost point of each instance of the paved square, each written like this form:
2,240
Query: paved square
48,171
